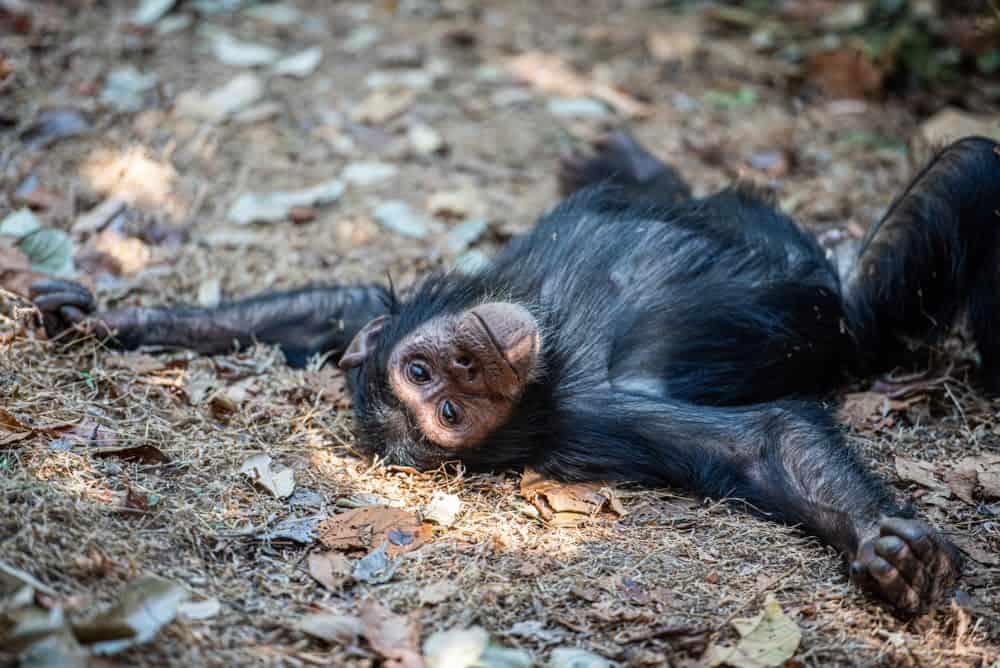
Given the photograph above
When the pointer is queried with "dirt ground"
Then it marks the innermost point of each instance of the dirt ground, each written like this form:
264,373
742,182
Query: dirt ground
654,586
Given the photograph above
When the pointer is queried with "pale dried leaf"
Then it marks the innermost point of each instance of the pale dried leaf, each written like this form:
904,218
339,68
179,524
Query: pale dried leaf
330,569
395,637
920,472
334,629
279,483
146,605
204,609
767,640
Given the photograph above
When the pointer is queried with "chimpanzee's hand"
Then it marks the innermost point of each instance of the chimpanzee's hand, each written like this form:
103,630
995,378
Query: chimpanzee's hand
66,308
908,564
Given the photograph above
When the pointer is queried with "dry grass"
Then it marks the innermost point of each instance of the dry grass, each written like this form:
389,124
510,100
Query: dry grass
639,589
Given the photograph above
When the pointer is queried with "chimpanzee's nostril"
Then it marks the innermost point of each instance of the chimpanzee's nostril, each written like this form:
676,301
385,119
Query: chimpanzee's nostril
463,361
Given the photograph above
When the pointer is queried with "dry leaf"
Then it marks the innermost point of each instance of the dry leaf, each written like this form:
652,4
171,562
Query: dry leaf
551,74
980,473
395,637
140,454
442,509
330,569
767,640
567,504
384,105
922,473
975,550
16,274
204,609
279,483
375,567
363,528
438,592
846,72
143,608
334,629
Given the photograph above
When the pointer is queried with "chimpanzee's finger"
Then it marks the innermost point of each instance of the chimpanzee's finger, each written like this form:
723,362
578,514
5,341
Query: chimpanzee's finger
894,550
918,535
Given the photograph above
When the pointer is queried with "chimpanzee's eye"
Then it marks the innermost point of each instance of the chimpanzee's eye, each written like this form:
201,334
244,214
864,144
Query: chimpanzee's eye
418,372
449,412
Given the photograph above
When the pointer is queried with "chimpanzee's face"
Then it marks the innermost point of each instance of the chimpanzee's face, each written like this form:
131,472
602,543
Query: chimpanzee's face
458,376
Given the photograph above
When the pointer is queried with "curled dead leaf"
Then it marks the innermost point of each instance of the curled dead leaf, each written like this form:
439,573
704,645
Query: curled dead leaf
364,528
567,504
280,483
395,637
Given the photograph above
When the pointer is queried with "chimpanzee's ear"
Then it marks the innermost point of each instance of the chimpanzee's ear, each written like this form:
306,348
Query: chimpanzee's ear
363,344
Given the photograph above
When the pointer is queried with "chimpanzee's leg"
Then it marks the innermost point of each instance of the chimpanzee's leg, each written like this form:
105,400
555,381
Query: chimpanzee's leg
787,460
620,160
935,253
302,322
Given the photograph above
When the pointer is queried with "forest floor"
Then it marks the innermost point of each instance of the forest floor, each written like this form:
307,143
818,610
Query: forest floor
118,466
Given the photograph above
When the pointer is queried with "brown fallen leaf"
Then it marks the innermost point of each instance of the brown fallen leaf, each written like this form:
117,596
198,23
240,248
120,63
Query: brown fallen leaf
567,504
920,472
16,274
90,433
872,410
139,454
395,637
370,526
11,422
549,73
139,363
975,550
330,384
845,72
334,629
972,474
330,569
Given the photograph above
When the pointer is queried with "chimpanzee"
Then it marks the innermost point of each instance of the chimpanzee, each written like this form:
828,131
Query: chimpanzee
637,333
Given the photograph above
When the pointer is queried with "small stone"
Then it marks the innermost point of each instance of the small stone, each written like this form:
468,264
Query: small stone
126,87
299,65
231,51
577,107
368,173
424,139
301,214
239,93
399,217
465,234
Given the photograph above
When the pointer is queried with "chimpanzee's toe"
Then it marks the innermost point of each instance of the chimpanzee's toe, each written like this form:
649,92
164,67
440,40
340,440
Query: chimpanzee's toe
908,564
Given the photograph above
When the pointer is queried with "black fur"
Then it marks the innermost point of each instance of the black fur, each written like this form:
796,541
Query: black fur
686,342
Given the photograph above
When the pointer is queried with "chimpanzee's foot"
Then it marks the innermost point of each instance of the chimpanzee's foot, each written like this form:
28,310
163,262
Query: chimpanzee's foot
617,158
908,564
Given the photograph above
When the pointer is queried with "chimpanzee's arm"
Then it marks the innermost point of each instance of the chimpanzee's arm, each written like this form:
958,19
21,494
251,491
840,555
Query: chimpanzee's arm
787,460
302,322
935,251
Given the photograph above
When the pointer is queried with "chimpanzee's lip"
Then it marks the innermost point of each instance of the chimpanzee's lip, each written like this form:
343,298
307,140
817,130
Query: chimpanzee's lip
496,344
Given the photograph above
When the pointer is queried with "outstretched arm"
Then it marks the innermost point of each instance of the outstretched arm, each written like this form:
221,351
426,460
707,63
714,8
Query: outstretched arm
935,252
786,460
302,322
